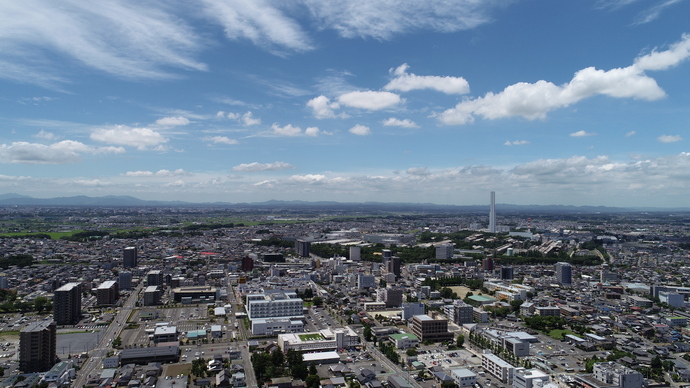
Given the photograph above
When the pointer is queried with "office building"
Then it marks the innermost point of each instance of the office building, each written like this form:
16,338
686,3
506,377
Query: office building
302,247
129,258
392,265
444,251
355,253
4,282
462,312
463,377
247,264
196,294
507,273
492,213
124,280
107,293
614,374
67,304
564,273
366,281
37,347
393,297
411,309
488,264
427,328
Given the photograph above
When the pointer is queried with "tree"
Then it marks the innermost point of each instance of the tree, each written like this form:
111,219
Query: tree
367,333
411,352
317,301
312,369
460,341
308,293
42,303
313,381
117,342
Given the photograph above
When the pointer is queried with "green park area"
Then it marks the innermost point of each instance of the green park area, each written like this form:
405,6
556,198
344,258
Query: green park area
310,337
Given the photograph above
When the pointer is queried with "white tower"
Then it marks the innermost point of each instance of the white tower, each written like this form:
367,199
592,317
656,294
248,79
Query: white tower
492,213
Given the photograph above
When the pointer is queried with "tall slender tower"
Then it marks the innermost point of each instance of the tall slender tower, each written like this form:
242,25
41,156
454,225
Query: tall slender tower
492,213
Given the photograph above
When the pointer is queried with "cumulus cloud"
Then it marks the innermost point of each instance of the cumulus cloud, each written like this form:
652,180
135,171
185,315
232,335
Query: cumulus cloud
515,142
370,100
126,39
287,130
141,138
172,121
323,108
42,134
220,140
159,173
259,167
405,82
669,138
534,100
66,151
249,120
360,130
406,123
582,133
312,131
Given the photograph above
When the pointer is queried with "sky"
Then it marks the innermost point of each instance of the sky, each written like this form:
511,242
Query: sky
544,102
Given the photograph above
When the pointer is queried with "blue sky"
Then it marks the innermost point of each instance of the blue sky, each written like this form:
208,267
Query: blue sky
544,102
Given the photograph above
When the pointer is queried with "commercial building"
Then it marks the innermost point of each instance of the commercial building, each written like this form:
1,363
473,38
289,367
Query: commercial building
154,278
67,304
198,294
274,305
272,326
393,297
165,334
427,328
143,356
37,346
107,293
564,273
463,377
527,378
247,264
302,248
152,296
410,309
129,257
366,281
355,253
324,340
444,251
404,340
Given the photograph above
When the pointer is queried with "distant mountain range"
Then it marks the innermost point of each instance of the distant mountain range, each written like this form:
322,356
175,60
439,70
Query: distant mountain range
12,199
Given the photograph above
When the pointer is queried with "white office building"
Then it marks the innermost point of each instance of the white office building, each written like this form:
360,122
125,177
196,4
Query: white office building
529,378
274,305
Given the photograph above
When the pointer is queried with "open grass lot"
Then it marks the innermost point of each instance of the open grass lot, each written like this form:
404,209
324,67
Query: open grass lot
177,369
310,337
461,291
559,333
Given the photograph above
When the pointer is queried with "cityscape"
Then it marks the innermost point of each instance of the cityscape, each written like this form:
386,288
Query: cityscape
277,297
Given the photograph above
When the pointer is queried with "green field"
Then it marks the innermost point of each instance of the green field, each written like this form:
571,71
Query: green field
558,334
310,337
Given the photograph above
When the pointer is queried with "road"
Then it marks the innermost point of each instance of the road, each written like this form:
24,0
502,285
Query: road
93,363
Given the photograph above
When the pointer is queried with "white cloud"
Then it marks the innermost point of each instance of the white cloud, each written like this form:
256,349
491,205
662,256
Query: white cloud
654,12
360,130
669,138
419,171
92,182
172,121
312,131
220,140
406,123
323,108
582,133
234,116
259,22
127,39
534,100
177,183
258,167
42,134
287,130
515,142
405,82
142,138
249,120
370,100
631,133
159,173
383,19
66,151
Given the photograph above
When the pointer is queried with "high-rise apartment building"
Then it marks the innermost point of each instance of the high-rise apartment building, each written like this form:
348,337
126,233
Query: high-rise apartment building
492,213
124,280
107,293
355,253
37,346
129,257
564,273
302,247
67,304
154,278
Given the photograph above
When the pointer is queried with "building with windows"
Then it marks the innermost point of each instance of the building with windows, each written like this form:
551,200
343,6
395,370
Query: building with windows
272,326
154,278
564,273
107,293
410,309
614,374
152,296
498,368
527,378
463,377
324,340
129,257
196,294
124,280
404,340
302,247
274,305
427,328
67,304
366,281
444,251
37,347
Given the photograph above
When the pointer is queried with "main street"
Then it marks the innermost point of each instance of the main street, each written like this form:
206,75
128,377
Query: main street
93,363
